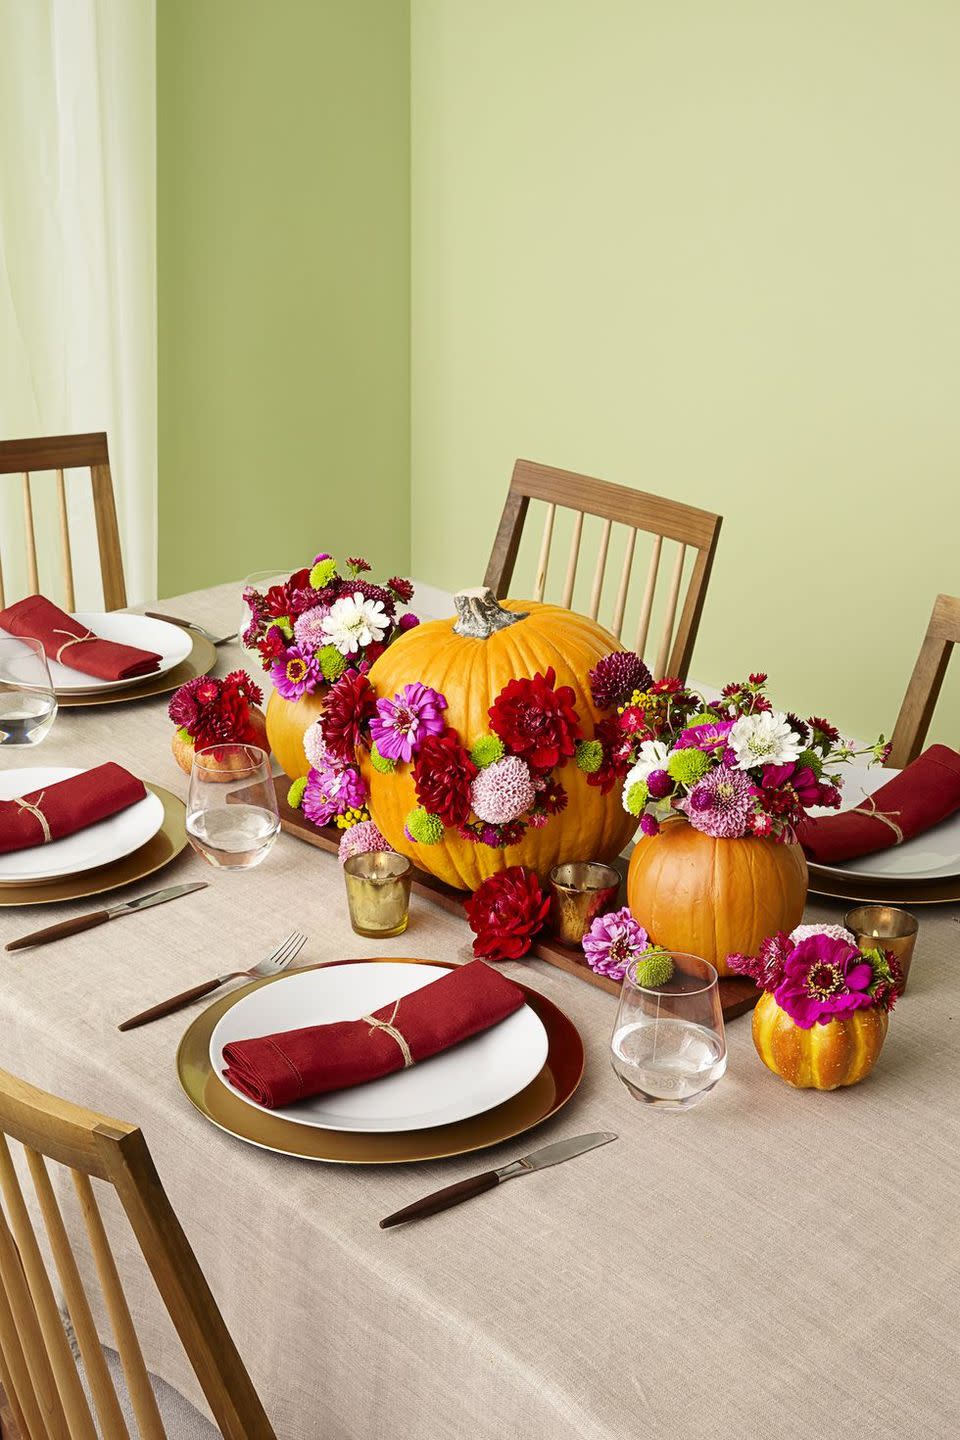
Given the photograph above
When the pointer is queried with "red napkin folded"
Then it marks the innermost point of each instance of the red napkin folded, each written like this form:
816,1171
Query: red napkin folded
37,618
922,795
275,1070
66,807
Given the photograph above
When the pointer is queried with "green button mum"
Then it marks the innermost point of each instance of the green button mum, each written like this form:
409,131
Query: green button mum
322,573
425,828
381,763
656,968
589,756
486,750
687,766
637,797
295,793
332,663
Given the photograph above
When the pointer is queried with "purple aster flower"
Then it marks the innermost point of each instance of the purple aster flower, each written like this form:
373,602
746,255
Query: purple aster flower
402,724
709,737
331,790
824,979
719,804
360,840
503,790
612,941
295,673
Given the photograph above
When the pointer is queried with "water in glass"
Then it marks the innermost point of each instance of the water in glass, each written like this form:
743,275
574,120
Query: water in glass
232,817
668,1044
28,705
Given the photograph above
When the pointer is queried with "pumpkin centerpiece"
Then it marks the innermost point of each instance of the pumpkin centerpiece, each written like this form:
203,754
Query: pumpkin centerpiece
209,712
822,1018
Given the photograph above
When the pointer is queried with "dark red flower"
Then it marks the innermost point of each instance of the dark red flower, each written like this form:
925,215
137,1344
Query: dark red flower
759,677
271,645
213,710
552,799
357,563
401,588
276,602
537,721
443,774
823,729
614,678
616,756
349,706
506,912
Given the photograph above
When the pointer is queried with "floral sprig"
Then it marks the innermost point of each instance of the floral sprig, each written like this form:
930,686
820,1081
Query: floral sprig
732,767
310,629
817,974
506,913
208,711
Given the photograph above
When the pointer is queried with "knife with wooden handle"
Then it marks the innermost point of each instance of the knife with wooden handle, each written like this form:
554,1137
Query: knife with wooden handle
476,1184
100,917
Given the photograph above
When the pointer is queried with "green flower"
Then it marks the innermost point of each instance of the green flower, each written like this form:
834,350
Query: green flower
703,717
882,973
687,766
811,759
381,763
636,797
486,750
295,793
425,828
284,624
322,573
656,968
332,663
184,735
589,756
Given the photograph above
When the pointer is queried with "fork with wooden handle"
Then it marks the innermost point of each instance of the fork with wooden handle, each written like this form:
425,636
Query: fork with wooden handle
283,956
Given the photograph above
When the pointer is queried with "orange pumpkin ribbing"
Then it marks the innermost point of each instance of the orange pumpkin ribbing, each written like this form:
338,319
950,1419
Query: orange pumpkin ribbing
287,722
825,1057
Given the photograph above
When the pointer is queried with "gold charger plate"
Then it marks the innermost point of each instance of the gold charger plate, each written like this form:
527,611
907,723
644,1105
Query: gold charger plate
200,661
542,1098
163,847
944,891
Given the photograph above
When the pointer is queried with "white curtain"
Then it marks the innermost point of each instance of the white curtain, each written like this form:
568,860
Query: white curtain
78,264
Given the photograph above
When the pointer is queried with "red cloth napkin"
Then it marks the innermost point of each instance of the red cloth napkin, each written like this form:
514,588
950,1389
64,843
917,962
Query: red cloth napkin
922,795
68,806
279,1069
37,618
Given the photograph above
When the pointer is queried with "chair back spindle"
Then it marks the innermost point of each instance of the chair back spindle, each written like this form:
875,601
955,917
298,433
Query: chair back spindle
926,682
667,522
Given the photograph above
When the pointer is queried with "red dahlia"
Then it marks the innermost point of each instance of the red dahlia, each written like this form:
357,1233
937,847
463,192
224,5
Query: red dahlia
505,913
401,588
349,706
537,721
443,774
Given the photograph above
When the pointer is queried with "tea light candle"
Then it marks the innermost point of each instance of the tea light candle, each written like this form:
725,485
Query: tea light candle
580,890
882,927
378,893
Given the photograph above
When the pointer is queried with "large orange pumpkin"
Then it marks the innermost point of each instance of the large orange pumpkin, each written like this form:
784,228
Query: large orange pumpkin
469,660
287,723
842,1052
712,897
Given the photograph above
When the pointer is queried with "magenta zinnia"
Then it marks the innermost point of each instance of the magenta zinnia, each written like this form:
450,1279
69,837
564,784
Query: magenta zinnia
824,979
295,673
402,724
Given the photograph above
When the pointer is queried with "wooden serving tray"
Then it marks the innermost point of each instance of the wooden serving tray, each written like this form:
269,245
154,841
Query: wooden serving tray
738,994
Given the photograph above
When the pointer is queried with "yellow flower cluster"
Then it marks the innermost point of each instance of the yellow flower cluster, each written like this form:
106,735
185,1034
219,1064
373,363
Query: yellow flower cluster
349,818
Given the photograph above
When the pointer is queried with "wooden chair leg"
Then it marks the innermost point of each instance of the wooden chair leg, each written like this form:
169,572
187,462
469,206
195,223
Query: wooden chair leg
9,1429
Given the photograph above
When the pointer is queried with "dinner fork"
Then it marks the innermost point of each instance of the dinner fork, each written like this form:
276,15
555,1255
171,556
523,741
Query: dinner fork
283,956
192,625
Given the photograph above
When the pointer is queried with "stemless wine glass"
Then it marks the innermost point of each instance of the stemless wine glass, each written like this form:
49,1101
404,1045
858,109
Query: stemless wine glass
261,581
28,706
232,816
668,1043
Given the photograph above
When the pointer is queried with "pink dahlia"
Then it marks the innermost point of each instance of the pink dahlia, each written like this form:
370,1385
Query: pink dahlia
308,628
612,941
824,979
402,724
295,673
502,791
360,840
719,804
331,790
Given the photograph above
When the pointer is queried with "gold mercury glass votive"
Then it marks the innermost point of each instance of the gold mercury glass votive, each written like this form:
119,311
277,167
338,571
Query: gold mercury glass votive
378,893
580,890
882,927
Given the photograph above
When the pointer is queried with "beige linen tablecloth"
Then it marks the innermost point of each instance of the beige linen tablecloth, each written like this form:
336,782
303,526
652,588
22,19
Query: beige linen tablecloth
773,1263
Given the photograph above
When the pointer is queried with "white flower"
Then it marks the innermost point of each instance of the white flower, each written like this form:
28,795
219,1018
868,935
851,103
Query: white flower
651,756
354,622
836,932
314,746
764,739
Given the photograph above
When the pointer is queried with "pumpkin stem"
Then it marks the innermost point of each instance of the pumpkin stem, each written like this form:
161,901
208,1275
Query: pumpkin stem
481,614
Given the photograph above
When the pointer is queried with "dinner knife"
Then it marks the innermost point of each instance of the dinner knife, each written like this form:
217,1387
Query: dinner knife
553,1154
99,917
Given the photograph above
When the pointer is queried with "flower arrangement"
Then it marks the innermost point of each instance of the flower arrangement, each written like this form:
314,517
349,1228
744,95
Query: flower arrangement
207,710
816,974
733,767
310,629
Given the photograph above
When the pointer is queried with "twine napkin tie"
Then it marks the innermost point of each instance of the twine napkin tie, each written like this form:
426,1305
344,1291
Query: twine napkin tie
885,815
32,807
389,1028
72,640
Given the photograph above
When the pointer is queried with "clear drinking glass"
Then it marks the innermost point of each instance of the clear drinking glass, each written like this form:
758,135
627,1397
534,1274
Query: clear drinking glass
28,706
668,1043
232,817
260,580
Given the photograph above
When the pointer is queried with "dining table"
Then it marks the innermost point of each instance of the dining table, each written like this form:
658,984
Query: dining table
773,1262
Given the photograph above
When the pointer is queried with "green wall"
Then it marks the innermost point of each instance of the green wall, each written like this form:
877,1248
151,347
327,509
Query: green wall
283,258
708,250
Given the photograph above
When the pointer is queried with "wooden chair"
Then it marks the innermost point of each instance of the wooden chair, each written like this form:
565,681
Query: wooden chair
923,692
59,453
664,520
37,1370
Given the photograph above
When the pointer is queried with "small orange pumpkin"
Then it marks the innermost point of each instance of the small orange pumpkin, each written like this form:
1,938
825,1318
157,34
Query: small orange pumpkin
469,658
287,723
842,1052
710,897
183,747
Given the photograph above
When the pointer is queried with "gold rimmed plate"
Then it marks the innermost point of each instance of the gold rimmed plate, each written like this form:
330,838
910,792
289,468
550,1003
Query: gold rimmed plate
543,1097
889,890
200,661
169,841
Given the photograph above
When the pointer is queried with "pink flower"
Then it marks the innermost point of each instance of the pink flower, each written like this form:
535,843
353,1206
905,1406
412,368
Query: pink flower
709,737
331,790
502,791
612,941
824,979
295,673
402,724
719,804
360,840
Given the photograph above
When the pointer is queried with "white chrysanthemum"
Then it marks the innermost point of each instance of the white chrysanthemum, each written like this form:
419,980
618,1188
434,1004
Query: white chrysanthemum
764,739
836,932
355,622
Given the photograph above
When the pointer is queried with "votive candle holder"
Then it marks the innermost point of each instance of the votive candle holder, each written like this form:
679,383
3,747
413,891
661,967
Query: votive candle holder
580,890
883,927
378,893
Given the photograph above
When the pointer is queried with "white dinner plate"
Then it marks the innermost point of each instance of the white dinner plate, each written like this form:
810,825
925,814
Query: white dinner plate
934,855
171,642
98,844
466,1080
